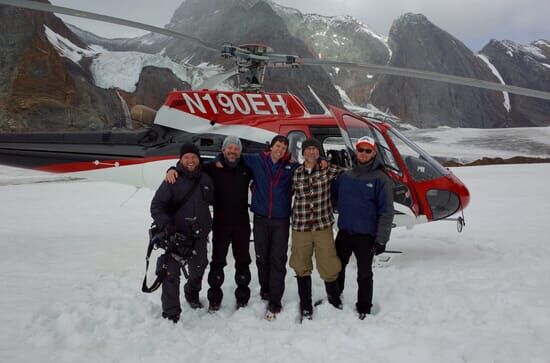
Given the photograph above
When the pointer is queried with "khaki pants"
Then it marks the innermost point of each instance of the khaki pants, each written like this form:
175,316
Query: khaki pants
326,260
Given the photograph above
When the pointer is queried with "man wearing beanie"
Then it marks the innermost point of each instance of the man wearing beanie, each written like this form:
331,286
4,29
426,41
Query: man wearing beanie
182,209
272,173
365,205
312,220
231,222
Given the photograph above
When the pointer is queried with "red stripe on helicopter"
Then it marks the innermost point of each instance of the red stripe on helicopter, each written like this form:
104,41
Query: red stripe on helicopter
100,164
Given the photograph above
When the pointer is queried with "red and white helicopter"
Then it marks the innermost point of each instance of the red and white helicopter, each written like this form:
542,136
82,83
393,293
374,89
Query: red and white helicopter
424,190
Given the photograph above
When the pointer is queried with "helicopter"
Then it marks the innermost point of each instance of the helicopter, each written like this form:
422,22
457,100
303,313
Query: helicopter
424,190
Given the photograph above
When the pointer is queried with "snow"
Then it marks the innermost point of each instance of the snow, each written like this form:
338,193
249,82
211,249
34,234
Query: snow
66,48
531,49
546,65
73,260
466,145
122,69
495,71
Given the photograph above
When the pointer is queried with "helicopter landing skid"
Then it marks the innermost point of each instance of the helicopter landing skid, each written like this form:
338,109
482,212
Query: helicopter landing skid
384,260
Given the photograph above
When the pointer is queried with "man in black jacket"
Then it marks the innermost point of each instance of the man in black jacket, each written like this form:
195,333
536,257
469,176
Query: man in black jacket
190,219
231,222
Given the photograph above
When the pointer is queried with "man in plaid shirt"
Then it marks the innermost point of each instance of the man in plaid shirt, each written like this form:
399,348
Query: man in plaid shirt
312,221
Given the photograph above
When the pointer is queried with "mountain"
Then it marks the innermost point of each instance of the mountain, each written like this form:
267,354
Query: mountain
341,38
419,44
524,66
40,89
249,21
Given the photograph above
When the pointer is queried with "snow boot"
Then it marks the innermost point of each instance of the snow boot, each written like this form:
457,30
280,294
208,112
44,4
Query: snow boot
272,311
333,294
213,307
304,291
174,317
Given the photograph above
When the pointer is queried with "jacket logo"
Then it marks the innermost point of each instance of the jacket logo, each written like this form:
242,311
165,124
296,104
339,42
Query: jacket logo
369,185
288,167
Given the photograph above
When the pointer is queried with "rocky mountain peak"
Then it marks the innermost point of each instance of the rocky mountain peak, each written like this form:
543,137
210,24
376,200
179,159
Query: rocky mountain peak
417,43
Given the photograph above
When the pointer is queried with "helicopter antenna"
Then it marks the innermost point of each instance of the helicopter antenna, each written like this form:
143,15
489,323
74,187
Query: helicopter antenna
323,106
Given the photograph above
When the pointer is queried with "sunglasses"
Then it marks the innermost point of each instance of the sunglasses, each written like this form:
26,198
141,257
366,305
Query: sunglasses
361,150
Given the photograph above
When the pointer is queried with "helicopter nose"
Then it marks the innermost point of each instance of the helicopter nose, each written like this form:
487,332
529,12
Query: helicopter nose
462,191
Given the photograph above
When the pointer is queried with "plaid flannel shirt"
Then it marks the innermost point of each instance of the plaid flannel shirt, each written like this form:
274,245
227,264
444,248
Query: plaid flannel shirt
312,210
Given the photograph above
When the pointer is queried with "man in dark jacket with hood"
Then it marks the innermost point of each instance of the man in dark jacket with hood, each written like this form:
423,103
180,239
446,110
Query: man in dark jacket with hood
190,219
365,207
231,222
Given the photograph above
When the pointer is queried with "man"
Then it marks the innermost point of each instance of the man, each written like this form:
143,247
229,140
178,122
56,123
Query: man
271,200
312,221
231,222
182,208
365,207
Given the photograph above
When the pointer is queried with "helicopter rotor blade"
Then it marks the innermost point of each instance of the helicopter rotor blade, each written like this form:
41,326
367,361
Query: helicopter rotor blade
33,5
431,76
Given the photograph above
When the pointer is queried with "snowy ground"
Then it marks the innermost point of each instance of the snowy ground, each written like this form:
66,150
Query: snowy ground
72,262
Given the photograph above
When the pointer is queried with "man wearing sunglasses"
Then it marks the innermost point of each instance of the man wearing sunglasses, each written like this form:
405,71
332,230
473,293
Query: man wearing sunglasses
365,206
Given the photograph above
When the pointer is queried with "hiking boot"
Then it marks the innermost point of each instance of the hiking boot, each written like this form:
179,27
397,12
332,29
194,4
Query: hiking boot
213,307
333,294
304,291
272,311
173,317
362,316
241,304
195,304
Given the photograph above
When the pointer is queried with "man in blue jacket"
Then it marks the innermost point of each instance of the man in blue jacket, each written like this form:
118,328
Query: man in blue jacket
271,204
365,207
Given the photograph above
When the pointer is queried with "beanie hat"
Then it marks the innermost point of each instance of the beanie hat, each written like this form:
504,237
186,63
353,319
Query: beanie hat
189,148
309,143
366,141
232,140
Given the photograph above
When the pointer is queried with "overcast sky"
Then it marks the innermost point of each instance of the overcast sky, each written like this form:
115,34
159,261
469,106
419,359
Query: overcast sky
474,22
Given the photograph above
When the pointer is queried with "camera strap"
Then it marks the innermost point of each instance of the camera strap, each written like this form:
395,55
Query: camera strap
161,275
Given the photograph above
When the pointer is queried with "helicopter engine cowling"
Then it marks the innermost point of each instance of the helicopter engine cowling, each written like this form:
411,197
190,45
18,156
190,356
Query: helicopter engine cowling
143,114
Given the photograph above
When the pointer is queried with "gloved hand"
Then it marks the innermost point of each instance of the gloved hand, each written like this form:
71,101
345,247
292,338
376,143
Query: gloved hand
379,248
170,229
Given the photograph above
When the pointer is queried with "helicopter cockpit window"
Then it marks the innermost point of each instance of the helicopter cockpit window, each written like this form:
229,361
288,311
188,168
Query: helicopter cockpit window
385,152
295,139
420,164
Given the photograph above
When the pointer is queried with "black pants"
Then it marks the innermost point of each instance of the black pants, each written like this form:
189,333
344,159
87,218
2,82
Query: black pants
271,245
170,296
362,245
239,238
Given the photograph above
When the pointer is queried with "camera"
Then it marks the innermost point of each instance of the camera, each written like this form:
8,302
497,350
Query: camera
181,246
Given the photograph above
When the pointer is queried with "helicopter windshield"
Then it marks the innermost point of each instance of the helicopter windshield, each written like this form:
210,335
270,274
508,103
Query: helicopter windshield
420,164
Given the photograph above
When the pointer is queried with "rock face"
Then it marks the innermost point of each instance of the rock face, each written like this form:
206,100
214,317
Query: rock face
341,38
524,66
153,86
417,43
40,90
